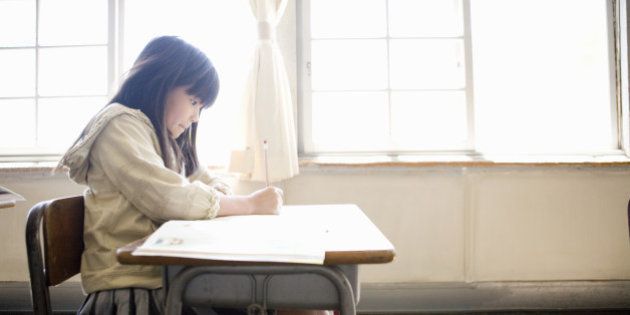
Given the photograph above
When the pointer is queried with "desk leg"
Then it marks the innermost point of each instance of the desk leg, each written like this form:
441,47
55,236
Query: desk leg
333,274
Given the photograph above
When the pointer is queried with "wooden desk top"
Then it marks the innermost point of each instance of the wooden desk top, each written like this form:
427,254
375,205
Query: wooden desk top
351,239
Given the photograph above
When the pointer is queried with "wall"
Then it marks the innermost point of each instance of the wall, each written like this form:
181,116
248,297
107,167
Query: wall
500,224
447,224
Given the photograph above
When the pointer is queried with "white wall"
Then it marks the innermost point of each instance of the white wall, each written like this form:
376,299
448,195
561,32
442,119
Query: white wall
481,224
447,224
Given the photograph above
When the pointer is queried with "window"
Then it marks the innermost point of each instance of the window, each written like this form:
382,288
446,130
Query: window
492,76
55,75
376,76
56,70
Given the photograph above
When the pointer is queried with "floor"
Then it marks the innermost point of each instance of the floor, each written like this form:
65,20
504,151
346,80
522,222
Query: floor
564,312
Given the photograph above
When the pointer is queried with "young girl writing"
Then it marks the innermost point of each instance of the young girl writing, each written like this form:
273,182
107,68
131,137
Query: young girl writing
137,157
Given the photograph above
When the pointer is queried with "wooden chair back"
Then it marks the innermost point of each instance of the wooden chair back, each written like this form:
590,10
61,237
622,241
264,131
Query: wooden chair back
61,222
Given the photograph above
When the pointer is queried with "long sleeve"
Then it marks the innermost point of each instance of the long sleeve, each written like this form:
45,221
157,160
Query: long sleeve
127,151
204,176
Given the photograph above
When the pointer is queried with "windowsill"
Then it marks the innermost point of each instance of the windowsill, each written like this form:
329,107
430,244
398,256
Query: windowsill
464,160
47,168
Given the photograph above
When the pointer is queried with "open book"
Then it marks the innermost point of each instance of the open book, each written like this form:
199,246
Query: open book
262,238
8,198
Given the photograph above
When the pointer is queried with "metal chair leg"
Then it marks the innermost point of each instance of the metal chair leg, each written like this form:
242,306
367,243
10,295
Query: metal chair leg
39,288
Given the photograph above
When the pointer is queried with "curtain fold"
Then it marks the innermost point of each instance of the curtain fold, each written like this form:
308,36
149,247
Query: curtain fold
267,106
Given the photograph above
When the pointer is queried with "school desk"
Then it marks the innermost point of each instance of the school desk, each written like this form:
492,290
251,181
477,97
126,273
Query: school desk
351,239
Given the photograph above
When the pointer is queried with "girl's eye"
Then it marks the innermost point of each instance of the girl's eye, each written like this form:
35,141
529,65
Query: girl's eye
193,102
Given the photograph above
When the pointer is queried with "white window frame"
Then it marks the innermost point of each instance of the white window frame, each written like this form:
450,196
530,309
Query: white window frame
620,13
619,107
114,55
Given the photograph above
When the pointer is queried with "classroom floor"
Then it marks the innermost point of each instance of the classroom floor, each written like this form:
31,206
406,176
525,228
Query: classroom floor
565,312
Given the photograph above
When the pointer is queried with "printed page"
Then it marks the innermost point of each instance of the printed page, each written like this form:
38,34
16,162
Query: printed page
264,238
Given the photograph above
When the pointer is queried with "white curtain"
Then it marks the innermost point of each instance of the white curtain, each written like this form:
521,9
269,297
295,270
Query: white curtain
267,106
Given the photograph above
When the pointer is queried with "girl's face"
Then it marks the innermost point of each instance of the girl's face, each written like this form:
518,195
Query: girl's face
182,109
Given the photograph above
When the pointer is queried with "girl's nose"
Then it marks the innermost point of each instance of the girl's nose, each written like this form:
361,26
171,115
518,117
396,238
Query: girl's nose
195,116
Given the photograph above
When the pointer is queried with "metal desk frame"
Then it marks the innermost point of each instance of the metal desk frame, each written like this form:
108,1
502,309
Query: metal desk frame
178,285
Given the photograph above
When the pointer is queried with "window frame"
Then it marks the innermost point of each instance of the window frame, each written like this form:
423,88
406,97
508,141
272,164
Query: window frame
618,23
113,68
620,123
621,12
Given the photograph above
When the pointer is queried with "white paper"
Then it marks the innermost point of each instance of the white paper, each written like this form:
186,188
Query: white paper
7,196
263,238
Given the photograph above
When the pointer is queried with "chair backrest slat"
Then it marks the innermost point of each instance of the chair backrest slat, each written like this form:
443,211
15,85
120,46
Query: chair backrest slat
63,239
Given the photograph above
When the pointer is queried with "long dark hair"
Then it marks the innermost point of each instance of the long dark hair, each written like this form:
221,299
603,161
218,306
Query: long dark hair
164,64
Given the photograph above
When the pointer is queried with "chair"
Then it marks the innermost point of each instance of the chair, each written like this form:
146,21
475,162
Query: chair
61,222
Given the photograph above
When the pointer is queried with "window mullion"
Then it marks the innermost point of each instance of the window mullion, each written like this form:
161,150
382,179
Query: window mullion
37,7
468,63
111,44
305,93
389,82
115,36
622,105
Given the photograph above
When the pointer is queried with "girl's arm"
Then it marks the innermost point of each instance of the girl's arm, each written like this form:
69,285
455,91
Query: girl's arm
215,182
126,151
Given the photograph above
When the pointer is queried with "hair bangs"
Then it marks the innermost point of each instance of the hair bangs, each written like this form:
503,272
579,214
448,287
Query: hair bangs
205,86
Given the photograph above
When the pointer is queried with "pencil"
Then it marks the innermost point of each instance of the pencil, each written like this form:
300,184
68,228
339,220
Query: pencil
265,147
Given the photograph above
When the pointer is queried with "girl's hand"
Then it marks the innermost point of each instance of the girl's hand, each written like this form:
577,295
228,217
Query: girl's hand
266,201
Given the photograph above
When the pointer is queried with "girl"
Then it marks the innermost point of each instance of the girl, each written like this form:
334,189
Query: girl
137,157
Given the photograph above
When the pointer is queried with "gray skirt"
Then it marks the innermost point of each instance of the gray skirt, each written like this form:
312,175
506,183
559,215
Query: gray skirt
124,301
139,301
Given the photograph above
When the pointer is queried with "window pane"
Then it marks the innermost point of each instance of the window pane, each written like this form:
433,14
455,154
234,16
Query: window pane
433,18
435,119
56,131
349,64
343,121
339,19
427,64
17,77
63,22
18,16
17,123
73,71
542,87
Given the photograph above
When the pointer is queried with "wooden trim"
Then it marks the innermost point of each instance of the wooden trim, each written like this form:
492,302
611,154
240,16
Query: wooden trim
125,256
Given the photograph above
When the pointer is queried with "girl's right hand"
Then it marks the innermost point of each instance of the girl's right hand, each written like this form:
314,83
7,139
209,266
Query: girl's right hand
266,201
